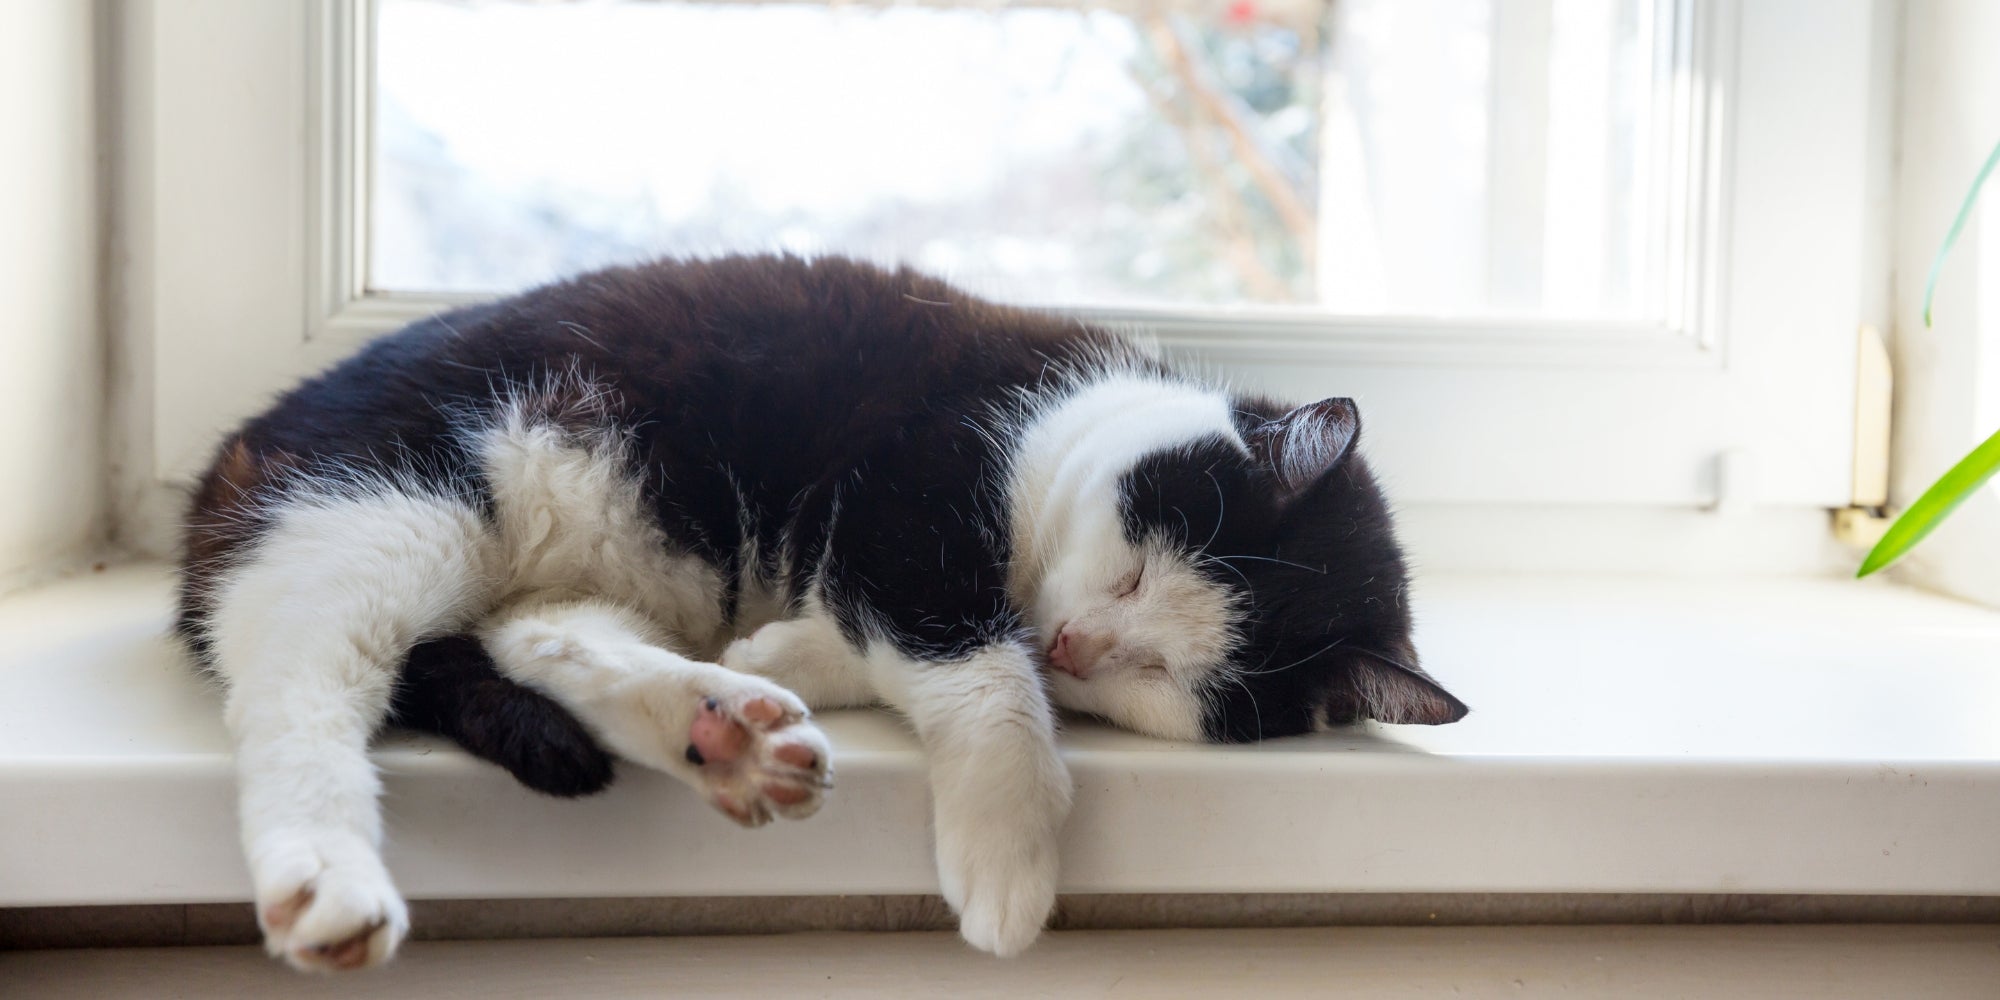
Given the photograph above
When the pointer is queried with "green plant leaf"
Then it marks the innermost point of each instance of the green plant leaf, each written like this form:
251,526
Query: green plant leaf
1930,510
1951,235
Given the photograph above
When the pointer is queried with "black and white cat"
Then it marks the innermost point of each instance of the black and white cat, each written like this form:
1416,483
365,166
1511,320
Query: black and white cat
665,510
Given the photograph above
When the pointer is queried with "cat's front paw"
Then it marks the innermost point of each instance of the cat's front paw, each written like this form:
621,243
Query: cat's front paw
325,902
1002,888
757,756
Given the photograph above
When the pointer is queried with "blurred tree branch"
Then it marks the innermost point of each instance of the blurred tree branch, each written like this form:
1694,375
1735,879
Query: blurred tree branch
1229,214
1266,164
1272,171
1192,98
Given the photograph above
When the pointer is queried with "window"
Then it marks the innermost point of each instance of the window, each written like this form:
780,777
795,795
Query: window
1575,253
1446,157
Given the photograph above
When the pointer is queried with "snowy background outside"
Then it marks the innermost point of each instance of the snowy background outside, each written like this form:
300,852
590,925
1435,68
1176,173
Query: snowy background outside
1332,155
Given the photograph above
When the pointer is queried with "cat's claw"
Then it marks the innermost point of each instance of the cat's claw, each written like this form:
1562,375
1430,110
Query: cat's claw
326,904
758,757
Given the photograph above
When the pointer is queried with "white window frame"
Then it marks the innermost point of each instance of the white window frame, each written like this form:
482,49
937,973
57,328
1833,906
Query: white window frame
240,208
344,308
1948,375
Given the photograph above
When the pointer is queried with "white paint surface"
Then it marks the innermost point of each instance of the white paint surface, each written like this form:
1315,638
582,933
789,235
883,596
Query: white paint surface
1948,375
1775,736
51,352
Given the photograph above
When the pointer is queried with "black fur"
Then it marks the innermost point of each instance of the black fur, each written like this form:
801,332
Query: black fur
760,393
451,687
1324,557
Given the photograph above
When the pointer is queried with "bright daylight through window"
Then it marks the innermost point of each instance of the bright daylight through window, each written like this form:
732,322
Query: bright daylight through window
1470,158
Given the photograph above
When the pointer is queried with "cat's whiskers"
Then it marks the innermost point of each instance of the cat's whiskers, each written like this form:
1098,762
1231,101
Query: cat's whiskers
1221,509
1205,559
1321,570
1313,656
1257,712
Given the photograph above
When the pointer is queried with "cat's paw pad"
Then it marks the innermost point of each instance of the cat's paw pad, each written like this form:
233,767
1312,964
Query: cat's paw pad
328,910
757,755
1002,898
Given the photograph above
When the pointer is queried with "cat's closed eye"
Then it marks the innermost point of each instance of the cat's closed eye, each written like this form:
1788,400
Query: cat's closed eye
1129,584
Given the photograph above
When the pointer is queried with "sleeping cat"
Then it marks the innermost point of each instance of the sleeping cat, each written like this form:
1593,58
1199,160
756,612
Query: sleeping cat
666,510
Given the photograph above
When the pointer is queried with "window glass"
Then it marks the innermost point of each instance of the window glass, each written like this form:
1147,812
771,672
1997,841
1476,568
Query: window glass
1408,157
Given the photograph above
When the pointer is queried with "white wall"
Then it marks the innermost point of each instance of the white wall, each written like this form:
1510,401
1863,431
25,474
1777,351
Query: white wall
1948,376
51,350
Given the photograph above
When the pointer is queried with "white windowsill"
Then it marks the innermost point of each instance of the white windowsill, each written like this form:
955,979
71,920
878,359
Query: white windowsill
1784,736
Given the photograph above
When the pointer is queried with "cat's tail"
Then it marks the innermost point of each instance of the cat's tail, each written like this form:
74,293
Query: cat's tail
450,686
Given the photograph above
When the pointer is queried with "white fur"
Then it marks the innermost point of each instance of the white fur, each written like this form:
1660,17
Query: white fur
587,601
603,613
999,790
571,522
583,596
307,634
1072,553
1063,486
610,667
809,656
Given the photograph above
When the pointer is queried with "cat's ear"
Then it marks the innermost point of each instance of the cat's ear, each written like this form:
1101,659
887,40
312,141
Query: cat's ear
1391,692
1307,443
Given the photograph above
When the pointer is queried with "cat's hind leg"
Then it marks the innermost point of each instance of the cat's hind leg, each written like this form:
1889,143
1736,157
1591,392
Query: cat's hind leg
307,630
742,741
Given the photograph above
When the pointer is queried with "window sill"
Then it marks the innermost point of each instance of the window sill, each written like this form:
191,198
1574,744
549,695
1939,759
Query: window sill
1629,735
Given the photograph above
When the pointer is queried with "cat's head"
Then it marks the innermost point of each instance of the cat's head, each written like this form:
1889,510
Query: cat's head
1256,590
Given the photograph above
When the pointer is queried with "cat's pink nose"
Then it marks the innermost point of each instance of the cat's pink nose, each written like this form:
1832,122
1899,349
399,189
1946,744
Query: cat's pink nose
1059,655
1076,651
